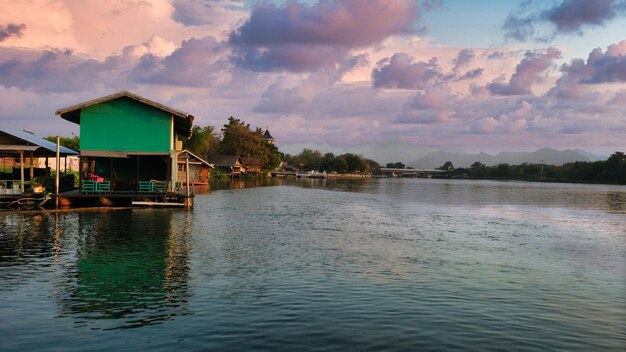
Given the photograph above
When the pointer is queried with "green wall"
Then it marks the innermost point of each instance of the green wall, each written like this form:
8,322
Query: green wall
125,125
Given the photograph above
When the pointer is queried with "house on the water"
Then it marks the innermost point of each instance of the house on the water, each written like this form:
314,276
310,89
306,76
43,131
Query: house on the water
199,169
128,143
19,155
232,165
253,165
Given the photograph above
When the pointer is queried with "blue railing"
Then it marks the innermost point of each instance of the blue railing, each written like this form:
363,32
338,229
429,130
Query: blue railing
93,186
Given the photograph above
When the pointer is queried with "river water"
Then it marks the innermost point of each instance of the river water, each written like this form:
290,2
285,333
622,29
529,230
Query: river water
321,265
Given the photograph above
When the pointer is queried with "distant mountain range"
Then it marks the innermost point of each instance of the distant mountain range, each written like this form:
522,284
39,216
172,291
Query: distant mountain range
545,155
391,151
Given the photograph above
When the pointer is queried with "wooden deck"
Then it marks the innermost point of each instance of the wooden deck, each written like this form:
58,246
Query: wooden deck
78,198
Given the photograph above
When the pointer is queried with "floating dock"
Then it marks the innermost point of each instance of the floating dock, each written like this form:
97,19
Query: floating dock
166,199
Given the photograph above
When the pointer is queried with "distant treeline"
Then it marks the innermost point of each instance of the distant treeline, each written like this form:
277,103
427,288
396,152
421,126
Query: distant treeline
612,170
236,138
345,163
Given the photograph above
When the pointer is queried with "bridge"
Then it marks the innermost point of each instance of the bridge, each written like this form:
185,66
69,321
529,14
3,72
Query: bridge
426,173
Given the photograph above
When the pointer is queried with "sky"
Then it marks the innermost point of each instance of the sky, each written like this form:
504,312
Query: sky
475,76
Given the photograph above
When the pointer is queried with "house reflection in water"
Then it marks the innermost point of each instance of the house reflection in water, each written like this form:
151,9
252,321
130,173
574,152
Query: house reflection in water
132,269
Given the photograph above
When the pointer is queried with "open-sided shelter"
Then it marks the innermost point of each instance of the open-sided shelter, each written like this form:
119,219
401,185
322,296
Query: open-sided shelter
127,140
21,148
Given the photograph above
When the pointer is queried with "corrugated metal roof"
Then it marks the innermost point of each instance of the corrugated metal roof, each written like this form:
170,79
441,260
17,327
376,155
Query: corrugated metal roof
45,146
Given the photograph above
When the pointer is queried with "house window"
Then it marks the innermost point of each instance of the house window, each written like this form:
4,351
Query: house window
181,167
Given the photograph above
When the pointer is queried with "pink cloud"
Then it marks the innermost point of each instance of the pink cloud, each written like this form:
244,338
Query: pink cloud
401,72
607,67
197,63
527,73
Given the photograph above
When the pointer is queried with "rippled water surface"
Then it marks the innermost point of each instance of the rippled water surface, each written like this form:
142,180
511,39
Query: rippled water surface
375,265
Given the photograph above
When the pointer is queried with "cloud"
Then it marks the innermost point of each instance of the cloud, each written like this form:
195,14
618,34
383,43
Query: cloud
463,58
11,30
471,74
567,17
433,98
157,46
191,12
527,73
608,67
600,67
206,12
435,104
400,72
571,15
53,71
495,55
297,37
197,63
285,96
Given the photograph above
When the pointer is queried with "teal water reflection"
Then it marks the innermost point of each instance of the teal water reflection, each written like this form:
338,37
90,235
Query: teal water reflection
325,265
132,269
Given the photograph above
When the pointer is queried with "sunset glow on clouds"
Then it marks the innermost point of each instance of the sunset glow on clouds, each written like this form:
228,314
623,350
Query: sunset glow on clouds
470,75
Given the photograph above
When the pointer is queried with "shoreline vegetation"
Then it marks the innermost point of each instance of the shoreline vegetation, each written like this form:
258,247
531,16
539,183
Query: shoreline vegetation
610,171
237,138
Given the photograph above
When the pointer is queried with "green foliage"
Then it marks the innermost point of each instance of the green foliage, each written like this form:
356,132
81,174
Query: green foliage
396,165
613,170
67,142
203,142
345,163
447,166
274,157
237,139
374,166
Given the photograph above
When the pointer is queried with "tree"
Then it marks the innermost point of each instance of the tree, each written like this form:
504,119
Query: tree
274,157
615,167
356,163
309,159
239,139
396,165
67,142
203,142
374,166
478,170
447,166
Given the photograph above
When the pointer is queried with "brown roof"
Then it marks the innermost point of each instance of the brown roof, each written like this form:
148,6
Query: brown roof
225,160
251,161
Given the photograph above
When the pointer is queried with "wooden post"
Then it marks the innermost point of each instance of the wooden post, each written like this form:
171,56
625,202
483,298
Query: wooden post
187,202
32,169
58,165
22,170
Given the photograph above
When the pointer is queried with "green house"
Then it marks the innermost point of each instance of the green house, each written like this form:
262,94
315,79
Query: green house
127,141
